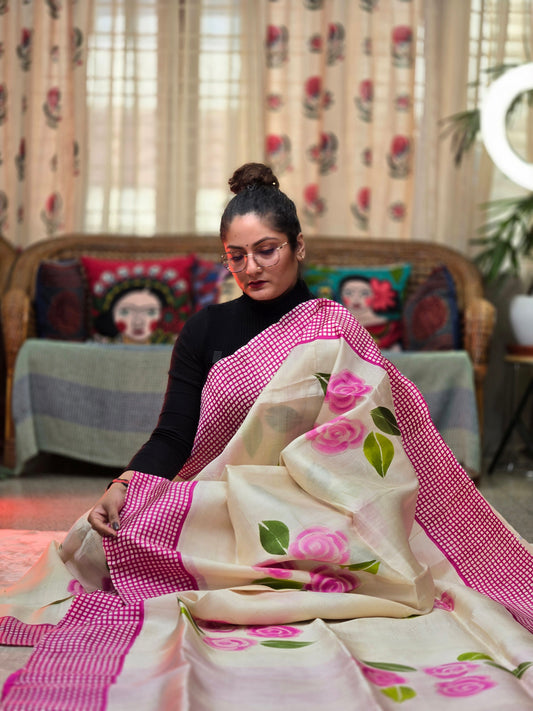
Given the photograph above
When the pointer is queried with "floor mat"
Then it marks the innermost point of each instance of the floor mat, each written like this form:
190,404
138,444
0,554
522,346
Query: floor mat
19,549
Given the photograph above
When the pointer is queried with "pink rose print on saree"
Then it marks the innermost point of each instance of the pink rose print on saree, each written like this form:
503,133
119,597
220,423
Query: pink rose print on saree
444,602
465,686
337,436
332,580
75,587
382,677
274,631
451,670
319,543
229,644
274,571
344,391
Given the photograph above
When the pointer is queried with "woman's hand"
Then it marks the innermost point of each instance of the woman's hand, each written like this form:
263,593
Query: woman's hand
104,516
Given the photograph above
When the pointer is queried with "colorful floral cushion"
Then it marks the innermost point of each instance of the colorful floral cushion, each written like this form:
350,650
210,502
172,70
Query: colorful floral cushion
374,295
141,301
207,282
431,320
60,301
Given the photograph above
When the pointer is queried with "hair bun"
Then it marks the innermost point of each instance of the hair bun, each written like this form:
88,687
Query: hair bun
251,175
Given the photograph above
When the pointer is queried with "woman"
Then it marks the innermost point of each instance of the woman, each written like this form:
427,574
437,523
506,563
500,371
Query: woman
264,248
321,545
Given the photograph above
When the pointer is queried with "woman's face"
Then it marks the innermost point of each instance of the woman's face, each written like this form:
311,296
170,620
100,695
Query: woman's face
248,233
137,314
356,294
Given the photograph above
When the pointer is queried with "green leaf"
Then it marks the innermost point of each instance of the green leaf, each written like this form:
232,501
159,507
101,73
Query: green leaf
274,537
278,584
370,566
379,451
284,644
323,379
470,656
521,669
58,602
499,666
399,693
252,437
389,667
384,420
184,610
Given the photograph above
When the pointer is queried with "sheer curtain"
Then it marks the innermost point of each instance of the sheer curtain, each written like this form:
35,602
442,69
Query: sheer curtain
463,41
340,112
174,105
129,115
42,118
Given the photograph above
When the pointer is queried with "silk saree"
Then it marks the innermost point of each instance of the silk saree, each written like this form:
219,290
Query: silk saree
321,547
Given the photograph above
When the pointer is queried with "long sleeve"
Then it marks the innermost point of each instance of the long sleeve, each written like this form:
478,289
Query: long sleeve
213,333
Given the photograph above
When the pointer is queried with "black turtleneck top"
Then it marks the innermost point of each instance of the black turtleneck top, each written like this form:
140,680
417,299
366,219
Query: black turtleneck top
213,333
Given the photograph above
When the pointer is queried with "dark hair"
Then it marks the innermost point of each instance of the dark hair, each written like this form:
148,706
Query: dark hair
257,190
353,277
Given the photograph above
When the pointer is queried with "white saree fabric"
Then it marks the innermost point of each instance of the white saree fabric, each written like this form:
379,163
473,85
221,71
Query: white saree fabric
327,550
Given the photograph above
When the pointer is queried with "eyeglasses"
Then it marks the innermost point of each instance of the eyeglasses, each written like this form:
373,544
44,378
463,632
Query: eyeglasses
264,256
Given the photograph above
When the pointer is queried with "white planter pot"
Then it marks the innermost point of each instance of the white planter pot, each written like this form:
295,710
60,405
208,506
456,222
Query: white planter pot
521,318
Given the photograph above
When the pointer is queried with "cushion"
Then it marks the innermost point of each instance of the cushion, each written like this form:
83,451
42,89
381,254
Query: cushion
373,294
431,320
139,301
60,301
207,281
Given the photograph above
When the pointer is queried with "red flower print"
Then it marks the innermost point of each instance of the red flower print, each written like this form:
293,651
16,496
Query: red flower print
383,297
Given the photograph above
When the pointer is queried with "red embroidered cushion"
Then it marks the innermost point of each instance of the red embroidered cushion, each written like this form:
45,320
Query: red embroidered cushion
431,319
139,301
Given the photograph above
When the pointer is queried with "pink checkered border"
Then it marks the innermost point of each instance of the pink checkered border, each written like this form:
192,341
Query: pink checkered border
453,513
486,555
144,559
76,662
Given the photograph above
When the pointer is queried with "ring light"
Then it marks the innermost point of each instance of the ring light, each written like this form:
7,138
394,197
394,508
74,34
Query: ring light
500,95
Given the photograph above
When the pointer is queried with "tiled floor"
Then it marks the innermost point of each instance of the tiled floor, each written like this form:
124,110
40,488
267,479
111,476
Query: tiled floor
58,491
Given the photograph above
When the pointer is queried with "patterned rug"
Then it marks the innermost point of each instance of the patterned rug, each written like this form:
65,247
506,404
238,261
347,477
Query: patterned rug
20,549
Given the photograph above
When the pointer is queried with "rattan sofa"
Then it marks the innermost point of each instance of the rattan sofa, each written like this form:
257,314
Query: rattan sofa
18,317
8,256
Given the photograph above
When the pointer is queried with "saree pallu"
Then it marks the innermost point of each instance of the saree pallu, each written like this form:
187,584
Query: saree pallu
321,547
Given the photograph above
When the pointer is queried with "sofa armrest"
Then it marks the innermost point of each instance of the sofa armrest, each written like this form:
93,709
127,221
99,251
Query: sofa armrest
15,319
479,321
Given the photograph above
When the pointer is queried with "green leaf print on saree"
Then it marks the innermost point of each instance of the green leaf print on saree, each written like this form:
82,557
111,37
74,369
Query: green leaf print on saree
518,671
379,451
369,566
323,379
377,448
385,421
316,544
274,537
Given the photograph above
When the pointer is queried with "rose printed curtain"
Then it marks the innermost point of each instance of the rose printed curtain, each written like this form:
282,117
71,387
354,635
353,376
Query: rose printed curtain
42,115
340,103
